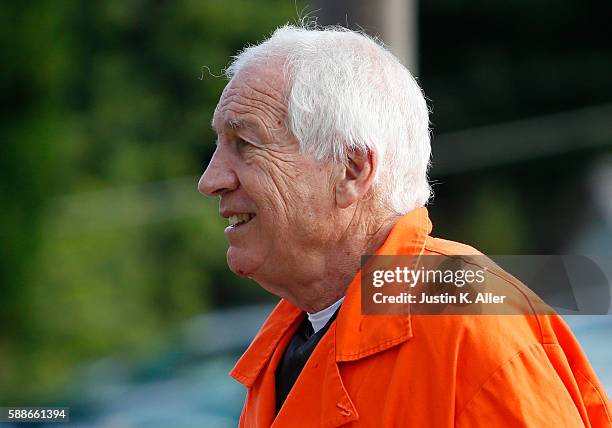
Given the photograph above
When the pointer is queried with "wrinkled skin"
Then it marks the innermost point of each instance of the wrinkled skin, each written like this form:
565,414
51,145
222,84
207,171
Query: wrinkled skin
309,228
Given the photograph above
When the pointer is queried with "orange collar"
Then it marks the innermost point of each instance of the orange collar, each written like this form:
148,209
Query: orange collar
357,335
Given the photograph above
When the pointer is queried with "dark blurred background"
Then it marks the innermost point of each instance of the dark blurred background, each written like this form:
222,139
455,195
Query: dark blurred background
115,297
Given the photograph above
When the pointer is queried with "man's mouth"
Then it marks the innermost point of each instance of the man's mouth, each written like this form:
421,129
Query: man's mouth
240,219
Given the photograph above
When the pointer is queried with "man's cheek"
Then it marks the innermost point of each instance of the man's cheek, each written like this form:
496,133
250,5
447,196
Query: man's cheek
276,186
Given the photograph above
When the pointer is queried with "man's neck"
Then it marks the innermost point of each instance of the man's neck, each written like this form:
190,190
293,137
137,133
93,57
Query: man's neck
341,265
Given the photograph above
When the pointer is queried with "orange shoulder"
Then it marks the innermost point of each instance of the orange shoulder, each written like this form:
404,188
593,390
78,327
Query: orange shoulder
448,248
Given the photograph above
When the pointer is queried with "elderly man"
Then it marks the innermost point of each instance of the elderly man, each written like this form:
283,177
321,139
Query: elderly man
322,154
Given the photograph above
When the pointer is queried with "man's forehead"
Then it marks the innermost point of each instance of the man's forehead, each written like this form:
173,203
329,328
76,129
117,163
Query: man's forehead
264,78
253,86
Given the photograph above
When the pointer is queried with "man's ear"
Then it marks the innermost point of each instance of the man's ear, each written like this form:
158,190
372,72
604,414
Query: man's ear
356,178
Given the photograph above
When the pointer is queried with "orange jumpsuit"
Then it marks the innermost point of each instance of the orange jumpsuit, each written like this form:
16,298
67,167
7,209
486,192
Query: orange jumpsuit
424,370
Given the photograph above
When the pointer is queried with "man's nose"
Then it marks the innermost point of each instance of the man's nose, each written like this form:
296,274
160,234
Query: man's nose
219,177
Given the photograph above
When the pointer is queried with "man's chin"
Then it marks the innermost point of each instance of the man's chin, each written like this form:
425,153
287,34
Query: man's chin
240,263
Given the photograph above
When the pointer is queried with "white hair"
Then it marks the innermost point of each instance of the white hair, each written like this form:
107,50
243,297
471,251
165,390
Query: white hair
348,92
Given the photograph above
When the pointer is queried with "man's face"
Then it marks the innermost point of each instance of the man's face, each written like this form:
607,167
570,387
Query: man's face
279,202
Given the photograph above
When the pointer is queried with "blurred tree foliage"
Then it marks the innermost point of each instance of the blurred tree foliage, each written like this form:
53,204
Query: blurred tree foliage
102,247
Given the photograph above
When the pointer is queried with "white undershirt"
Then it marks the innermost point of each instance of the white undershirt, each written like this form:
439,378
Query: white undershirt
319,319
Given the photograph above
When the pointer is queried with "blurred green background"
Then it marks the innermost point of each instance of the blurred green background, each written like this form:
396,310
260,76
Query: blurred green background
106,243
107,248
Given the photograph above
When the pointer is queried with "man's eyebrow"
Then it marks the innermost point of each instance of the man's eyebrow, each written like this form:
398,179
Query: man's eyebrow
235,124
241,124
